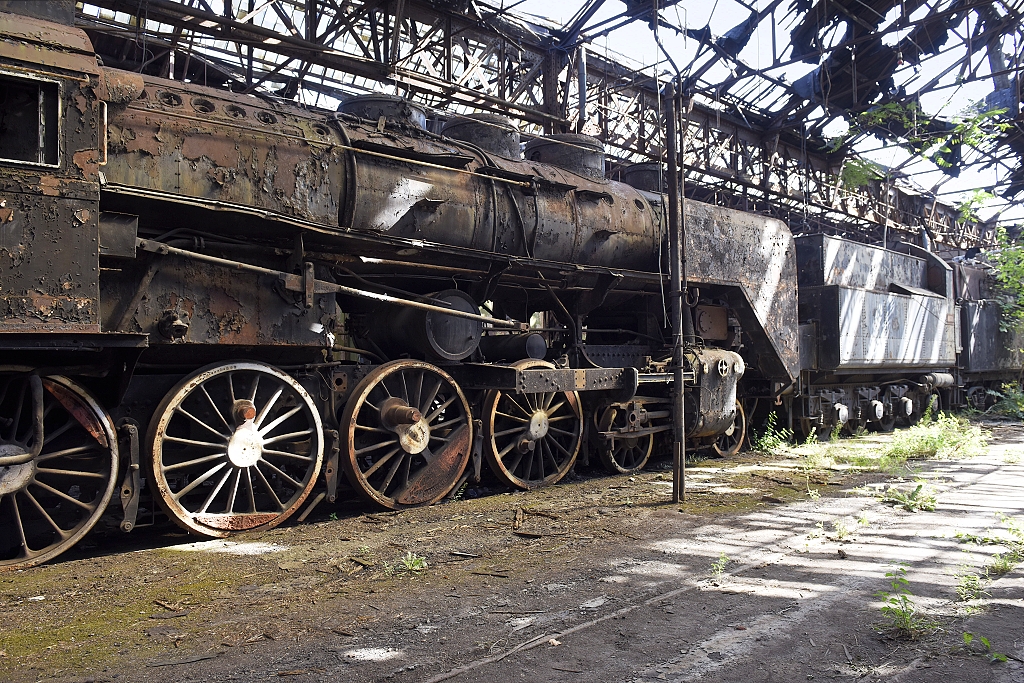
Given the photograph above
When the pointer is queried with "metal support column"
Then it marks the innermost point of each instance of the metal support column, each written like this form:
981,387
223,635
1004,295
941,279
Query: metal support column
676,293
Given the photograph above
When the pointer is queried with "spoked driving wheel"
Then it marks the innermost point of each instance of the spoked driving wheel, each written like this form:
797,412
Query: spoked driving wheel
532,439
623,453
49,502
235,446
407,433
729,443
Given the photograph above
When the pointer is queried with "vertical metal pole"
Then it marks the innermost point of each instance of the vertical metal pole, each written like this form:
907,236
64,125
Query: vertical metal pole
581,86
675,300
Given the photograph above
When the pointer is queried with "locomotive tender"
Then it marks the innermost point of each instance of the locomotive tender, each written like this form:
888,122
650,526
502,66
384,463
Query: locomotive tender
252,306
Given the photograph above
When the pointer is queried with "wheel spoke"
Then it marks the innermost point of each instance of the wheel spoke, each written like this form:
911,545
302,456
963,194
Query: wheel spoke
267,408
230,506
198,481
77,450
375,430
437,411
39,508
197,461
281,473
504,451
18,523
391,474
61,494
55,433
70,473
202,424
561,431
268,487
252,491
449,423
193,442
560,446
214,405
286,454
255,386
270,427
282,437
425,406
554,409
214,492
509,431
524,411
510,417
380,444
377,465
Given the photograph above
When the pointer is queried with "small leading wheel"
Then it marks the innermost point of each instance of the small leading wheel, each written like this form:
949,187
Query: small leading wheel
622,454
532,440
235,446
407,435
730,442
50,502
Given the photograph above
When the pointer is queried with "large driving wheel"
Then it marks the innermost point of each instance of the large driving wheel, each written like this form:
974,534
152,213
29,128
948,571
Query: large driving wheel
50,502
235,446
730,442
623,454
407,435
532,440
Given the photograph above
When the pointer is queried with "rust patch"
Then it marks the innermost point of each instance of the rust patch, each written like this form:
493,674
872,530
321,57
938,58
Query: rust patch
118,87
50,185
236,522
232,326
81,413
6,214
86,160
440,474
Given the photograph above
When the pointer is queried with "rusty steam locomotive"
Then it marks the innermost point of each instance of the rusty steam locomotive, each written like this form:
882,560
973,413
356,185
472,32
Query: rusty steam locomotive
253,307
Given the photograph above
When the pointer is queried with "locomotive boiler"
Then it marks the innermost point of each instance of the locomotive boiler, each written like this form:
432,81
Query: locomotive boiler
246,307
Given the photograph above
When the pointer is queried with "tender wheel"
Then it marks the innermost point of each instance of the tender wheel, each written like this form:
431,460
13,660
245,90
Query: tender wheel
235,446
730,443
885,425
407,434
532,440
49,503
622,454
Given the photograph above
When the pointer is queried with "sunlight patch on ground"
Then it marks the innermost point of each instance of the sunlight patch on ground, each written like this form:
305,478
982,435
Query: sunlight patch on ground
230,547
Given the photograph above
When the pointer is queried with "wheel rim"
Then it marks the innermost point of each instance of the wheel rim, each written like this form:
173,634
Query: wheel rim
623,454
885,425
727,445
235,447
47,505
408,434
532,440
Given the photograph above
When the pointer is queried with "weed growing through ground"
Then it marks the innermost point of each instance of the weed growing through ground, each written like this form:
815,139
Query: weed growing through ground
863,520
413,562
947,436
719,565
898,605
914,501
773,438
1009,401
1003,562
1011,457
969,585
969,639
841,530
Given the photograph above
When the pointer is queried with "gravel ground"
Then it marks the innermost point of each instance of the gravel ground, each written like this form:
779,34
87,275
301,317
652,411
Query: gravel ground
768,572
